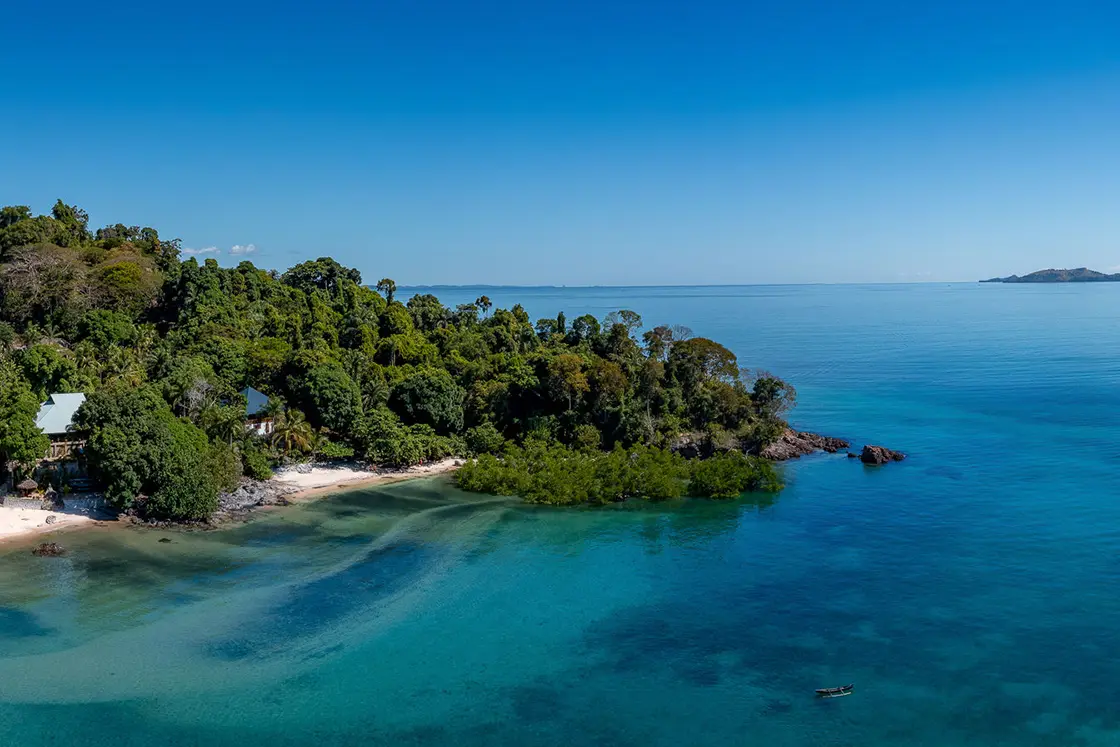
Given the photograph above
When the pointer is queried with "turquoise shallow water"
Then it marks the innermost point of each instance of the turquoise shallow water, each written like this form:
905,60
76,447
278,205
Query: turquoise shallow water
972,592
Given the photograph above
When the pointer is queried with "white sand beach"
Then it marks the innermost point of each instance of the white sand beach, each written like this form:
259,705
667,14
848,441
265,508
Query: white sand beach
320,480
19,522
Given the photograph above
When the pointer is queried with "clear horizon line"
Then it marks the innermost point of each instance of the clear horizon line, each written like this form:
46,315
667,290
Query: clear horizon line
690,285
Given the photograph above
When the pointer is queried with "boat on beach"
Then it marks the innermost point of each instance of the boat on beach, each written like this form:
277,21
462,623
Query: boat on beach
835,692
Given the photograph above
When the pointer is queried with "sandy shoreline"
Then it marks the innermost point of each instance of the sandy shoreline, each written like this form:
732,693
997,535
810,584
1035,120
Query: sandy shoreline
324,480
21,523
18,522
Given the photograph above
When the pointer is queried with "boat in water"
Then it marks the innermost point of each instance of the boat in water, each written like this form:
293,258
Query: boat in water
835,692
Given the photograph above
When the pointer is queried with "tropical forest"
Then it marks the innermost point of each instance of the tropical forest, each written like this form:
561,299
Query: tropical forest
555,410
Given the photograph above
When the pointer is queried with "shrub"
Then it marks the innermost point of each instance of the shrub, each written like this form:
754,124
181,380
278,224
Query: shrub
484,439
731,474
549,473
190,496
223,465
255,464
329,449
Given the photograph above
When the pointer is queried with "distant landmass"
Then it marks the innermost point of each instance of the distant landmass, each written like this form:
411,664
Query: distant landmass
1080,275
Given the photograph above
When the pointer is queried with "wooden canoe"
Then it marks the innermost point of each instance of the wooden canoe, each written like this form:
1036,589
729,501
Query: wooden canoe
835,692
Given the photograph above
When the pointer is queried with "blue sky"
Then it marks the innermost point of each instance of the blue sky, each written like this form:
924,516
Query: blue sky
581,142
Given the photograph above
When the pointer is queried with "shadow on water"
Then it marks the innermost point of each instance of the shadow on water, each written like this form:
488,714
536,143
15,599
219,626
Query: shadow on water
322,602
138,724
16,623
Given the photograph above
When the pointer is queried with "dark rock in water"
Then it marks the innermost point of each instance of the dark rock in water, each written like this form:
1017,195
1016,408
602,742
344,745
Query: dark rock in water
164,539
795,444
51,519
49,550
853,455
880,455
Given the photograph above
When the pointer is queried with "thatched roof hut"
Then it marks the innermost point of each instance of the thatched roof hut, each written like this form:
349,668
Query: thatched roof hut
27,487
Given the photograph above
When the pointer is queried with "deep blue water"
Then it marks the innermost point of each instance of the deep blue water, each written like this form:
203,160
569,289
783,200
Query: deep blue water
972,592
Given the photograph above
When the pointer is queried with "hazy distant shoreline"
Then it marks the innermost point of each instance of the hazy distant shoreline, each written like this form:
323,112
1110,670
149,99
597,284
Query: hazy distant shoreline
1078,275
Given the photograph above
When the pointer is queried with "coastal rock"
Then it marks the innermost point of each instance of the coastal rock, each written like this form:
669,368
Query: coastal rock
687,445
49,550
51,519
795,444
252,493
696,444
52,501
880,455
853,455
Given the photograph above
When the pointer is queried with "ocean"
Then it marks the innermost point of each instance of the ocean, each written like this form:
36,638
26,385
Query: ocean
971,593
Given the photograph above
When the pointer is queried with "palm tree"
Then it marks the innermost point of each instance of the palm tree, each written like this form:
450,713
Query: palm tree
375,393
86,358
122,365
146,339
484,303
319,440
293,433
223,423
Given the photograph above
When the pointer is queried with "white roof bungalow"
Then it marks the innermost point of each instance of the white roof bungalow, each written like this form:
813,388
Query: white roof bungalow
257,418
55,418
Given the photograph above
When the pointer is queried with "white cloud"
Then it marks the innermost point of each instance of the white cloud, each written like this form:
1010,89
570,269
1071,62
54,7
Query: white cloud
238,249
207,250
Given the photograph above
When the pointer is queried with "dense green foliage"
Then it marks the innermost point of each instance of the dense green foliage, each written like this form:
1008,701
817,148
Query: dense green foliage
544,473
162,346
143,453
21,443
731,474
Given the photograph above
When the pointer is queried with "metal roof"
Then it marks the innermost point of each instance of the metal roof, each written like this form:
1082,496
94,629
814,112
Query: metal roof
57,413
255,402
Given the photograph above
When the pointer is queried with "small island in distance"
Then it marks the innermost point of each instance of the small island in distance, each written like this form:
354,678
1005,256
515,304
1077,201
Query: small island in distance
1079,275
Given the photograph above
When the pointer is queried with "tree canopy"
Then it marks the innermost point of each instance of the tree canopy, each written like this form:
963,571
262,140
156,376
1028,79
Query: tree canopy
162,345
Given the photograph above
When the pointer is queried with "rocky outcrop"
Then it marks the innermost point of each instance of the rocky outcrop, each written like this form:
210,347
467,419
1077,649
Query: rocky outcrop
880,455
697,444
796,444
688,445
52,501
50,519
253,493
49,550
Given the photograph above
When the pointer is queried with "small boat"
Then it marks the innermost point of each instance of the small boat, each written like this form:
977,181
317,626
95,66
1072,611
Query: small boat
835,692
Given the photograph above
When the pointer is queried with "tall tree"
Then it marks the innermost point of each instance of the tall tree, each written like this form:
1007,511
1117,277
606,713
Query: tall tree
22,444
387,287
